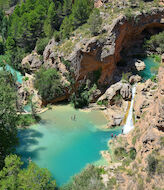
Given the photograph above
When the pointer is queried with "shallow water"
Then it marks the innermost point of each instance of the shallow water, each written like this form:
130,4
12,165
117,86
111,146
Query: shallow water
65,146
148,72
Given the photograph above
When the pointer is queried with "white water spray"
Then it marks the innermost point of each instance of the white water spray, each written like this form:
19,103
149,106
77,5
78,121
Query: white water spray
129,122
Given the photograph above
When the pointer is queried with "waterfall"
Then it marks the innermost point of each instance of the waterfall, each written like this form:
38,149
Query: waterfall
129,122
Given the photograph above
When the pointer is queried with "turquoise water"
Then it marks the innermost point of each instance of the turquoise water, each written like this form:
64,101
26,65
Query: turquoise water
63,145
14,72
149,71
18,75
27,108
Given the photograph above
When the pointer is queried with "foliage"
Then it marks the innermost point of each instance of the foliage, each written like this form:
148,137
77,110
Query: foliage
154,78
26,120
47,81
162,141
156,43
117,99
8,116
33,177
120,153
81,11
152,164
41,44
125,77
102,102
95,21
132,153
83,95
89,178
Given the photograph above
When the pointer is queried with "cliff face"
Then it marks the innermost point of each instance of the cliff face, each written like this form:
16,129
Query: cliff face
105,52
146,169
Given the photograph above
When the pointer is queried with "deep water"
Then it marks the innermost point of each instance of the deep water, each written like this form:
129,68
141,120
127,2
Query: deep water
63,145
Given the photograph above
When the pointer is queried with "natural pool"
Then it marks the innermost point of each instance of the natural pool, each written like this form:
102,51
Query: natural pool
63,145
151,68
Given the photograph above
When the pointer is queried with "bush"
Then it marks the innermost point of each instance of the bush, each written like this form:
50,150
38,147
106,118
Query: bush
27,120
152,164
120,153
95,22
88,179
156,43
132,153
41,44
154,78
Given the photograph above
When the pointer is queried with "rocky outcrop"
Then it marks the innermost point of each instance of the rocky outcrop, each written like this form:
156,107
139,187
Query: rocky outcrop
140,65
134,79
124,89
146,169
26,90
89,55
32,62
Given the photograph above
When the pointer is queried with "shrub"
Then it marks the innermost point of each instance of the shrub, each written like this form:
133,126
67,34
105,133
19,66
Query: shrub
27,120
41,44
102,102
156,43
120,153
89,178
152,164
132,153
117,99
154,78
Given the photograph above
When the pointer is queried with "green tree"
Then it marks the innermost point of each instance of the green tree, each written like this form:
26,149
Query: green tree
67,7
66,27
95,21
48,84
8,115
33,178
81,11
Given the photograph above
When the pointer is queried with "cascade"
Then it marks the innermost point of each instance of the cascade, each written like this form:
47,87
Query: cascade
129,122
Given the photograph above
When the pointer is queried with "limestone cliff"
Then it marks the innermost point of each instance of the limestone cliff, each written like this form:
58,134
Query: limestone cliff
88,55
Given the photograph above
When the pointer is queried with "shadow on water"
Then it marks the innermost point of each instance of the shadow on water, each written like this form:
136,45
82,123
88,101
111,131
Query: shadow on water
29,138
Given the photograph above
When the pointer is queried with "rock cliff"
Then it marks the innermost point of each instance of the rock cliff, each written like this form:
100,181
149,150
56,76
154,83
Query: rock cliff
88,55
144,168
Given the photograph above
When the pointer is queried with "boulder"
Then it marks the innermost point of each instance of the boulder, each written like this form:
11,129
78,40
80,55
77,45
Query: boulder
32,62
134,79
125,89
140,65
117,120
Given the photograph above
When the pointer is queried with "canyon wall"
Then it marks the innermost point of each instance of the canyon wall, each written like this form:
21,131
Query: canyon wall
104,53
